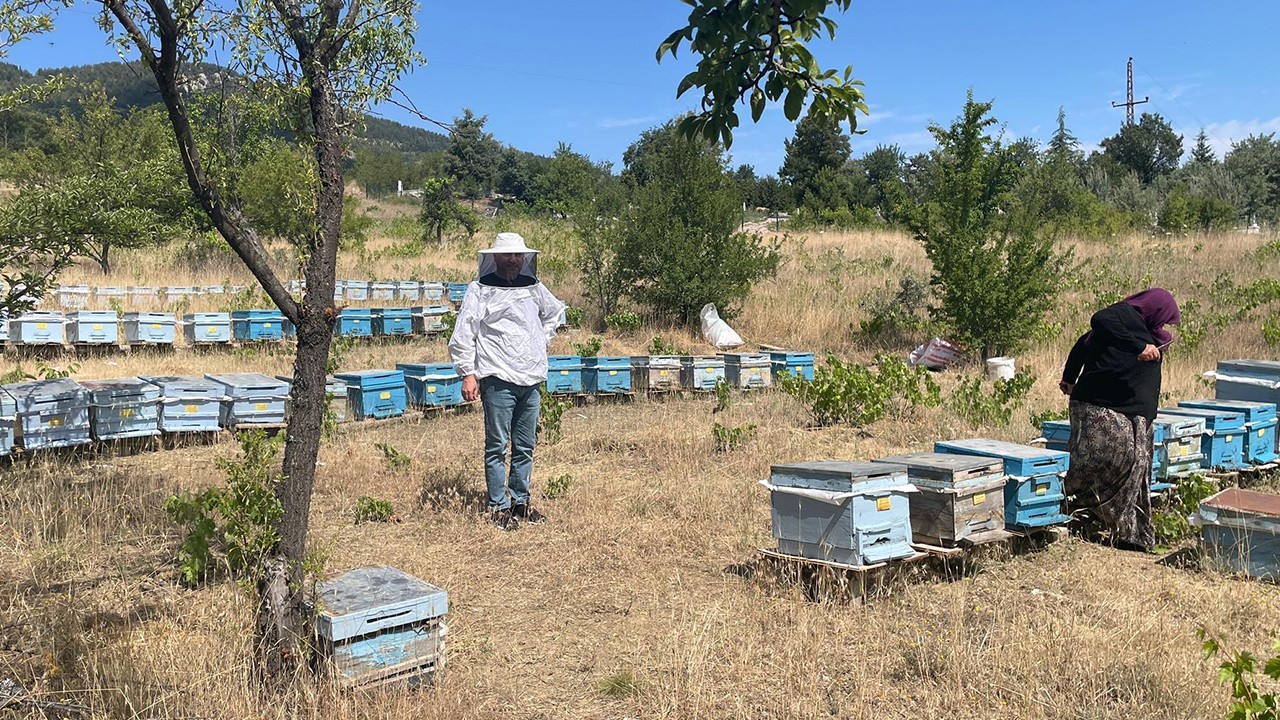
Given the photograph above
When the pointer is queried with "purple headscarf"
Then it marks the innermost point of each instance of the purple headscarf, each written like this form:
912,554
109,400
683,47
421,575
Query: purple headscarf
1157,308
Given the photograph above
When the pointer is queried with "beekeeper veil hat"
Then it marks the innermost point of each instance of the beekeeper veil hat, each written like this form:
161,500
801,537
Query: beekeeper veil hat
509,243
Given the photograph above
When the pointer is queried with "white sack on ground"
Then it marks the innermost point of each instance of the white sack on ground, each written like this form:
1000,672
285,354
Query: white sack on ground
717,331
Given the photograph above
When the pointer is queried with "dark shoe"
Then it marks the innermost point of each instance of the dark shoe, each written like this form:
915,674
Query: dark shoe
504,519
1130,546
527,514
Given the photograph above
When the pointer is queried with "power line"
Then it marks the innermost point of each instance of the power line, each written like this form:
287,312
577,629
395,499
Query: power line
1129,101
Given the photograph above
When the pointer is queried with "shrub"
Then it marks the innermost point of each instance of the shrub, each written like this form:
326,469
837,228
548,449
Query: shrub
573,316
557,486
724,398
550,415
1039,419
731,438
373,509
658,346
232,528
856,395
396,459
1172,523
623,321
1240,671
894,314
590,348
996,407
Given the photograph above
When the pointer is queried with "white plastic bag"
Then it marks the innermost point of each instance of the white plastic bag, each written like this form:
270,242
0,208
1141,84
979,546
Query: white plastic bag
717,331
936,354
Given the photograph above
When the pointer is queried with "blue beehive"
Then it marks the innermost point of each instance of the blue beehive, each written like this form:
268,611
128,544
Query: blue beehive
1240,532
1223,439
1033,494
799,364
748,370
357,289
50,413
142,295
150,328
432,384
123,408
456,291
564,375
1256,380
8,421
250,398
378,625
1260,425
433,291
205,328
408,290
656,373
256,325
392,321
188,404
93,327
701,372
339,291
855,513
382,290
429,319
354,322
606,375
375,393
1056,434
38,328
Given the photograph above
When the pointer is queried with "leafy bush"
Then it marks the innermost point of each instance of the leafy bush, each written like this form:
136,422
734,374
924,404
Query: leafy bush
550,415
1172,523
1039,419
853,394
623,321
557,486
658,346
590,348
996,407
232,528
731,438
372,509
396,459
724,398
1240,671
573,316
894,314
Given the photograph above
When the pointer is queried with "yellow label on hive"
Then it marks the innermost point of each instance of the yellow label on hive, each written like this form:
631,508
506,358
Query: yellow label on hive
882,504
385,396
711,371
155,326
42,326
126,412
260,406
663,373
1229,437
613,372
192,408
1042,489
266,326
55,422
212,331
97,327
564,372
431,388
979,498
1262,433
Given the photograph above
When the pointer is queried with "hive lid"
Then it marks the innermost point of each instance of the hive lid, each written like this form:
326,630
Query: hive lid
40,389
1001,448
943,461
244,379
1247,501
839,469
367,599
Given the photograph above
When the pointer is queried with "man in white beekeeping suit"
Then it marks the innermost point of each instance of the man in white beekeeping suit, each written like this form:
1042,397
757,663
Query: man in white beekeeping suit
499,344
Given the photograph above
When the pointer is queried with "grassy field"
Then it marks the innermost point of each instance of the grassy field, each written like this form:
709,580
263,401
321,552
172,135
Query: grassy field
642,597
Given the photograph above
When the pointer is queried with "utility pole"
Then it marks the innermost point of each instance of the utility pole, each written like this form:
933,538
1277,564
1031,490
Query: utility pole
1129,101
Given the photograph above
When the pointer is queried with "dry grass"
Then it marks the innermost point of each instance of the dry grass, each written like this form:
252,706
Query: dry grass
632,601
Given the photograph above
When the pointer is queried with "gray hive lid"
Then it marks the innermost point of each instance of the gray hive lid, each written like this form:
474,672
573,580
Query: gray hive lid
25,392
368,599
946,462
839,469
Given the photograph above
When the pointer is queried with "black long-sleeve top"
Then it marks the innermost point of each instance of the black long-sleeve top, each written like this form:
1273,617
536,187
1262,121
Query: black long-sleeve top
1113,376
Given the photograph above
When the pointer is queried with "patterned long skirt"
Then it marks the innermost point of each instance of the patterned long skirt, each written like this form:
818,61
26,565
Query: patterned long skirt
1109,480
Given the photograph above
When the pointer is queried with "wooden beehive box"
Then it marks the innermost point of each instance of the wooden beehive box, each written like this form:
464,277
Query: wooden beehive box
187,404
748,370
206,328
564,375
856,513
1223,441
375,394
432,384
656,373
1033,492
959,498
93,327
50,413
357,289
250,398
354,322
790,362
123,408
428,319
388,321
38,328
701,373
150,328
606,374
379,626
1260,425
1240,532
1256,380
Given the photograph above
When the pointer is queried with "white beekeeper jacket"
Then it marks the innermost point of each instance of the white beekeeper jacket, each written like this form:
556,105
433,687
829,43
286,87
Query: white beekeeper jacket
503,331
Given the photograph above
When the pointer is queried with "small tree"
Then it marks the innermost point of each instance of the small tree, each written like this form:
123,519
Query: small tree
473,155
441,211
995,274
679,246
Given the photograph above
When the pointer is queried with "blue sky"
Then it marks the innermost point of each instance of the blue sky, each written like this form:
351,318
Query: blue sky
583,72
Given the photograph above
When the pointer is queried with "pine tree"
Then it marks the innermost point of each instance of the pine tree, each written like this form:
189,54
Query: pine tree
1202,153
1063,146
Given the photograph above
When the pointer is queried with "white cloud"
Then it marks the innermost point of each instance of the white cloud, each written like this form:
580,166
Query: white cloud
628,122
1222,134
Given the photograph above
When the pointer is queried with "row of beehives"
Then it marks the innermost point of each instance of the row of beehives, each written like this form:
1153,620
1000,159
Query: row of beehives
107,328
966,491
41,414
408,291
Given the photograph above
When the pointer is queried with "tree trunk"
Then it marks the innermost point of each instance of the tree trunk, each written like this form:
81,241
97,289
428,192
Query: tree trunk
104,259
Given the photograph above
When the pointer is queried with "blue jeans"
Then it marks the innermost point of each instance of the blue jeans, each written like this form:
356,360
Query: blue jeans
510,418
